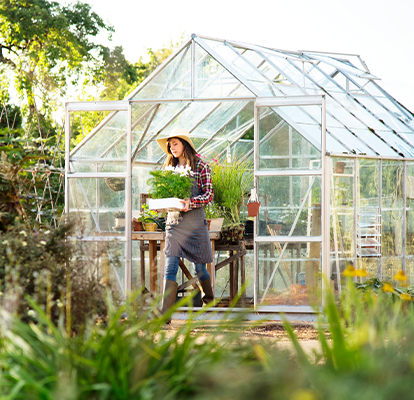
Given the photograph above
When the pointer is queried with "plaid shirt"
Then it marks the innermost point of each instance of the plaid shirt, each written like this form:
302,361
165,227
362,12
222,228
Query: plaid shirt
202,175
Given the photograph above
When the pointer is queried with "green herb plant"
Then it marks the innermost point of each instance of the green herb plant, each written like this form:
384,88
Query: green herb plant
231,182
167,183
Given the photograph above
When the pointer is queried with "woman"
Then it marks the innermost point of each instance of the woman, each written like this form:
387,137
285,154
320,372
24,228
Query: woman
187,236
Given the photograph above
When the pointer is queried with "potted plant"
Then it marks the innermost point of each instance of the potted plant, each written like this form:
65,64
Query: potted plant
119,220
231,181
148,218
215,216
168,187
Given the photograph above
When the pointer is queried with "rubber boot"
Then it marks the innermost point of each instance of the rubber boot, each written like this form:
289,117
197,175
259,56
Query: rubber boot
170,294
208,291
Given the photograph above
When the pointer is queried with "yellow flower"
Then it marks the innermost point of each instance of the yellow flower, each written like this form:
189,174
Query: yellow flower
400,276
387,288
361,272
405,296
350,271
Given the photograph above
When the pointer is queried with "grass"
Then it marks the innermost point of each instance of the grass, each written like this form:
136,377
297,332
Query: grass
130,355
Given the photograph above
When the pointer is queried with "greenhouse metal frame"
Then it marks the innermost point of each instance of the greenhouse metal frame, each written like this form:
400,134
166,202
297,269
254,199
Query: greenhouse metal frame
333,160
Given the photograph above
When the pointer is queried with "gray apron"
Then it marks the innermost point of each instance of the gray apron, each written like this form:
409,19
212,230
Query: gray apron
189,237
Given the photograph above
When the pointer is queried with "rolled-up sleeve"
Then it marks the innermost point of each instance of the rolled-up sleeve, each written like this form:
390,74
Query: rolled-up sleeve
203,176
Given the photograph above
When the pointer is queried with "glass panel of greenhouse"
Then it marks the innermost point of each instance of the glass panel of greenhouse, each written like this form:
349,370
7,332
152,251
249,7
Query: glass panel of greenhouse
331,155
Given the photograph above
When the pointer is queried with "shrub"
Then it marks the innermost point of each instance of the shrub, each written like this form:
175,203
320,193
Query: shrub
45,265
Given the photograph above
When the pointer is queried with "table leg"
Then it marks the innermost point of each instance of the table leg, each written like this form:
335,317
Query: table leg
231,272
162,266
142,265
153,265
243,277
211,268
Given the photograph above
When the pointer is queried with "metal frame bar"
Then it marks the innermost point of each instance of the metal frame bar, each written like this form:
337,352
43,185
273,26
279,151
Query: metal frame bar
295,172
67,158
128,207
325,206
97,175
404,216
380,212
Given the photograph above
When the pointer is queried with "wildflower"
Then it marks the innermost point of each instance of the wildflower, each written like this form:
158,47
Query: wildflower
23,233
350,271
24,243
215,160
361,272
5,242
405,296
400,276
43,242
387,288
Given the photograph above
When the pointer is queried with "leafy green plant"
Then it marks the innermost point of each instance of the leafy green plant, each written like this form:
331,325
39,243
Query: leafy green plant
119,214
168,183
213,210
231,182
147,215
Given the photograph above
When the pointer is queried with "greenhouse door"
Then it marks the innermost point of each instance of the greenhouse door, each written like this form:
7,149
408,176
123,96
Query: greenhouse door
292,184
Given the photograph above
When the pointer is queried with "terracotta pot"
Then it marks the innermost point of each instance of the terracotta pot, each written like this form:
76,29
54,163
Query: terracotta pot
137,225
208,224
339,167
253,208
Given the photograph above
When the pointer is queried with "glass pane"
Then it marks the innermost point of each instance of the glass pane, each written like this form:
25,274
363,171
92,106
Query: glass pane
107,261
392,208
110,133
281,146
97,205
212,80
172,82
409,190
288,273
290,206
236,62
342,217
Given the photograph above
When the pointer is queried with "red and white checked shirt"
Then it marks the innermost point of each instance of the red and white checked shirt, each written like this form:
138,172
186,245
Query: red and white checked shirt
202,175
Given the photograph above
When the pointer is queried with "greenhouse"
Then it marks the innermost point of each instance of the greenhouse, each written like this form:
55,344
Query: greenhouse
332,157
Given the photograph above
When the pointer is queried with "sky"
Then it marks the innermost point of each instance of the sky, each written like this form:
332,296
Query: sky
380,31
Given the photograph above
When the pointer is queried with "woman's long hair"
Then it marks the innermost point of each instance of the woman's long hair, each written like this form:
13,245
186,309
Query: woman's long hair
189,155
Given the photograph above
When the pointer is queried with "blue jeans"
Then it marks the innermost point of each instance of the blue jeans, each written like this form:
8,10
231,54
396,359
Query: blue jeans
171,269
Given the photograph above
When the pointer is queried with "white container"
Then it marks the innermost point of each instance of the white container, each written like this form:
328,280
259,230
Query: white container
216,224
120,222
168,204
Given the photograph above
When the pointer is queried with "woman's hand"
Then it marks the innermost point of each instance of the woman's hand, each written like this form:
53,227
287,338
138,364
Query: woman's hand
187,204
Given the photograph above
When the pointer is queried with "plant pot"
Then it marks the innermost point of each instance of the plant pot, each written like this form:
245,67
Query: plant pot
137,225
253,208
150,226
216,224
208,223
119,222
339,167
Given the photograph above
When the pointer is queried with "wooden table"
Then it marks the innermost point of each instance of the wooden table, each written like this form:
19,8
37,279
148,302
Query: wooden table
153,238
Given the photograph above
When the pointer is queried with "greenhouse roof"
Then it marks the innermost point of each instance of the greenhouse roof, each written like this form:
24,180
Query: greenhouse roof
361,118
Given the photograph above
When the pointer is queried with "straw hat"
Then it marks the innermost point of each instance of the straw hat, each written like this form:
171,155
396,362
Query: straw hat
178,133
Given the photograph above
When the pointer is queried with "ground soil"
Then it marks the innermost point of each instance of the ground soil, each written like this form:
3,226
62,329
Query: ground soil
270,330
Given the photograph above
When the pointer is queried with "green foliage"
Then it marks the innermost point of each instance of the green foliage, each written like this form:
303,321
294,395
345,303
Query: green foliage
147,215
43,44
166,183
10,117
213,210
231,183
125,358
24,169
43,264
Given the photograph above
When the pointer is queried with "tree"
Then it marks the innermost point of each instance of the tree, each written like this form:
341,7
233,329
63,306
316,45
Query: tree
44,44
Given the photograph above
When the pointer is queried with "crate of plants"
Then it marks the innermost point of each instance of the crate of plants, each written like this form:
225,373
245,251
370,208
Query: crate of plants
168,187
